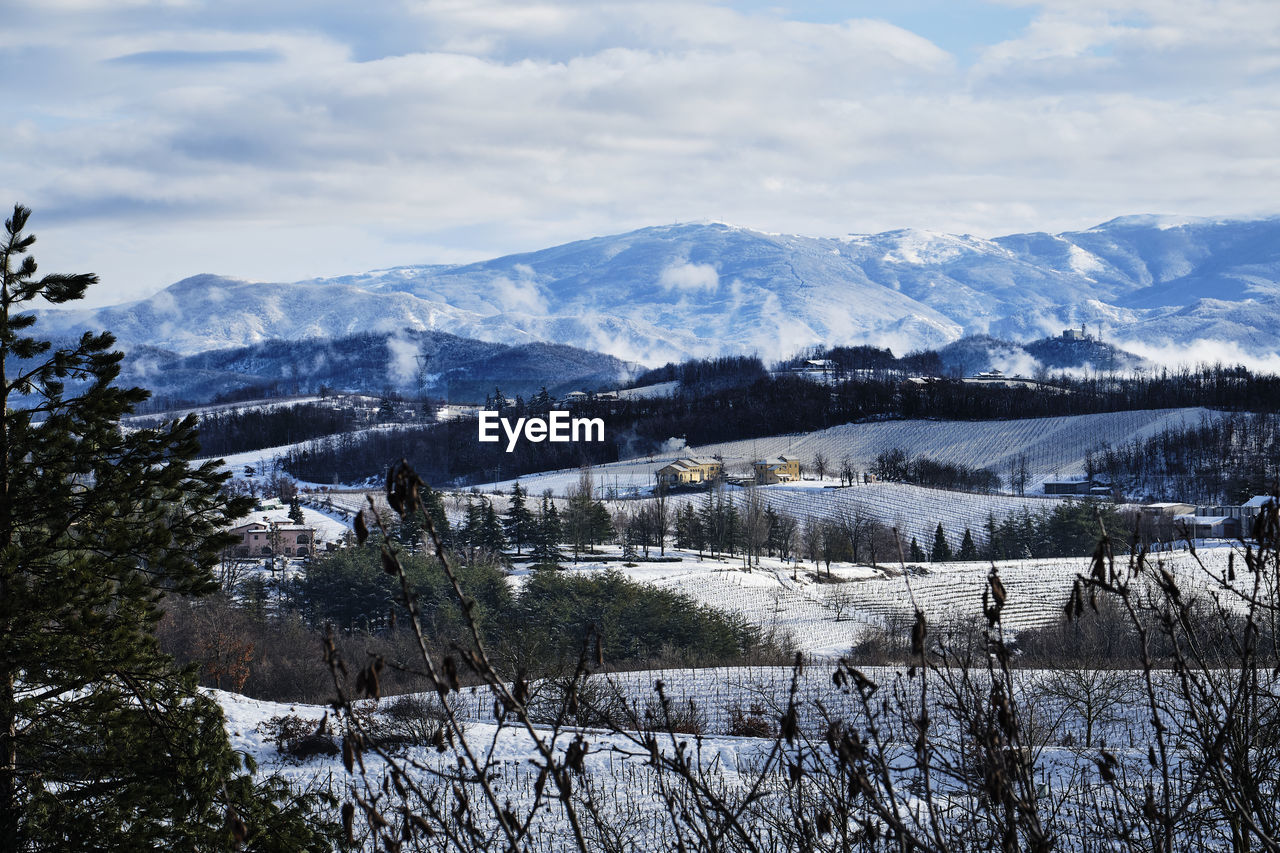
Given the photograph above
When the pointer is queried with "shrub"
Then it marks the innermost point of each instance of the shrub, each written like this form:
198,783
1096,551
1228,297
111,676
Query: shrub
299,738
754,722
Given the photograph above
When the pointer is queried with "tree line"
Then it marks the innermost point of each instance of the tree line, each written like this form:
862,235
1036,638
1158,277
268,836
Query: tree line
896,465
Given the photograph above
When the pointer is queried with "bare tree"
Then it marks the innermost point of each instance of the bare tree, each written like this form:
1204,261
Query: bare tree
839,598
857,524
755,526
1094,696
820,464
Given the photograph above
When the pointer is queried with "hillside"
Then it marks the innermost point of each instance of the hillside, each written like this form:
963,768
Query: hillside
420,362
1053,447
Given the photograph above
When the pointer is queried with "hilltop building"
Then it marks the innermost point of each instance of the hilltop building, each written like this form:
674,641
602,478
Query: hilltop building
1080,334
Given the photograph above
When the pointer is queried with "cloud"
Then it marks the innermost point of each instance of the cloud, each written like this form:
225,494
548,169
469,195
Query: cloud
402,365
169,58
684,276
1204,352
521,294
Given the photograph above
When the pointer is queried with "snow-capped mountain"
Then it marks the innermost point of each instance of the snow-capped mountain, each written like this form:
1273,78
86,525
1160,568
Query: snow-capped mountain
674,291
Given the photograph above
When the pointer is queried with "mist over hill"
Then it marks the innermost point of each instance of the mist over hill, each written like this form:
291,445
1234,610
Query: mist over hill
417,362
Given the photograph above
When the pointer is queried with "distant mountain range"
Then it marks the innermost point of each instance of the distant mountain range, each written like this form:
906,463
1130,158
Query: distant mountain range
670,292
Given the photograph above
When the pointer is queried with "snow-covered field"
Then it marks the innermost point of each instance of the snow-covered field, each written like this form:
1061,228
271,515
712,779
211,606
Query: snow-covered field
825,619
1053,447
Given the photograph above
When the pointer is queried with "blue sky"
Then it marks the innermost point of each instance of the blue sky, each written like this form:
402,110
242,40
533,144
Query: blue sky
961,27
284,139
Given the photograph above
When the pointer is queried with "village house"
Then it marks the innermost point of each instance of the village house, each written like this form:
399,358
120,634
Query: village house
268,538
690,471
780,469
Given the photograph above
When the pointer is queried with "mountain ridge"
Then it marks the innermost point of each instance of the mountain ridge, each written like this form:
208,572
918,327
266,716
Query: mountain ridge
670,292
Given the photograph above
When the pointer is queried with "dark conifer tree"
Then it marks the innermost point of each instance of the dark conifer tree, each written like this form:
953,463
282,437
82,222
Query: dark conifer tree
104,743
917,554
968,550
547,533
941,552
601,524
518,523
470,534
492,538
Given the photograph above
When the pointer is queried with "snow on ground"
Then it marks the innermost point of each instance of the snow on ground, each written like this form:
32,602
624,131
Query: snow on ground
256,405
329,525
660,389
915,511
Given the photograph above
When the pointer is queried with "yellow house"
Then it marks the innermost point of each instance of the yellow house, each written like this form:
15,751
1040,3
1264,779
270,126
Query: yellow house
779,469
689,472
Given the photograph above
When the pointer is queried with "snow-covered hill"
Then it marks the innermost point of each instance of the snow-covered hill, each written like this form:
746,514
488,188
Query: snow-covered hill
667,292
1051,448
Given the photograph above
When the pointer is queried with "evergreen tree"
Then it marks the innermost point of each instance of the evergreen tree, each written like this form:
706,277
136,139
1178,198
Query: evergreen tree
104,743
917,554
492,538
518,523
295,511
968,550
540,403
547,535
941,552
471,532
600,525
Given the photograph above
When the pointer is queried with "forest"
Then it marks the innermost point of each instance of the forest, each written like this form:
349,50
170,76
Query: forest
1220,461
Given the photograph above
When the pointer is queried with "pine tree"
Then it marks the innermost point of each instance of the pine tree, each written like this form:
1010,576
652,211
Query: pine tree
547,535
104,743
600,526
471,533
518,523
941,552
917,554
968,550
540,403
410,532
492,538
295,511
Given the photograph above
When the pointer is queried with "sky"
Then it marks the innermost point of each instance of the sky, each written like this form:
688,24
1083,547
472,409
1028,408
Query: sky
284,139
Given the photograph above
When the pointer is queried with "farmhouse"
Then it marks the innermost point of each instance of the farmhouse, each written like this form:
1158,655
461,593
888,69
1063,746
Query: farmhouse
689,472
1208,526
780,469
268,538
1077,487
1166,510
1067,487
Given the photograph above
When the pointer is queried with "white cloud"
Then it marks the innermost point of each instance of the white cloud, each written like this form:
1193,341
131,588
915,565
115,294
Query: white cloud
402,365
1204,352
520,295
684,276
